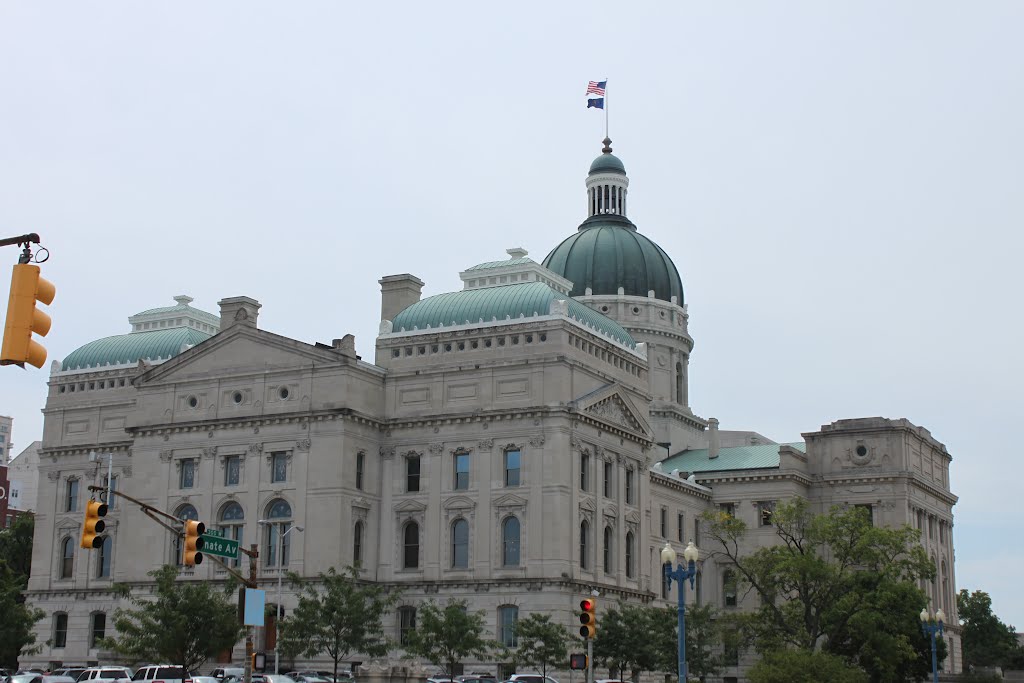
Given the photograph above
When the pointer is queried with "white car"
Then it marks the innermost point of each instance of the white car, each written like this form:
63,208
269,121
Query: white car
104,674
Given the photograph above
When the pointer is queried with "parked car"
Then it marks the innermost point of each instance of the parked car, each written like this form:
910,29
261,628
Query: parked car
224,672
163,673
39,678
204,679
531,678
271,678
104,674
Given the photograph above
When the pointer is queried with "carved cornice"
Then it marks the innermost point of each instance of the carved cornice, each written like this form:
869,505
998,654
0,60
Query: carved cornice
223,424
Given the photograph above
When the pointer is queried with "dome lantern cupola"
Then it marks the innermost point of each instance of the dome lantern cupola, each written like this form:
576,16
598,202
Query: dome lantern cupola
607,184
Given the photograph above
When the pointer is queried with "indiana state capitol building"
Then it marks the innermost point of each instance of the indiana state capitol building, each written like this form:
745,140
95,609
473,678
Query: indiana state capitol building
516,443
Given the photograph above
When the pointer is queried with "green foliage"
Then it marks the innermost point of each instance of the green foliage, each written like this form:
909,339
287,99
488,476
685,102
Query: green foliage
540,643
444,637
637,638
804,666
16,618
337,614
703,637
987,641
833,582
182,623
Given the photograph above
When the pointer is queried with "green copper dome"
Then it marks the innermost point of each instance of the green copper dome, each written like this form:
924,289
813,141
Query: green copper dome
508,302
607,253
607,163
122,349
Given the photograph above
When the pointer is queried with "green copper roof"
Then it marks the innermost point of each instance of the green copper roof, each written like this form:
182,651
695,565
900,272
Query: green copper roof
131,348
607,163
607,253
485,304
501,264
737,458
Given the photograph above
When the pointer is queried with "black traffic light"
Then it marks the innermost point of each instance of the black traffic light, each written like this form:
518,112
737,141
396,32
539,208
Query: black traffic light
588,617
93,525
193,543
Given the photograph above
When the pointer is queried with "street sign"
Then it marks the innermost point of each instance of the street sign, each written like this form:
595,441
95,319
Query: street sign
214,532
221,547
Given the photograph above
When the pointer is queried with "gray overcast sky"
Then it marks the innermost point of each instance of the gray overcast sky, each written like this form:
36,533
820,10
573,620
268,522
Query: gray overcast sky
839,184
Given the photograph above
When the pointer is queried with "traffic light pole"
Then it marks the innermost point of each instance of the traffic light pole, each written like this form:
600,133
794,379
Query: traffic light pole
253,553
20,240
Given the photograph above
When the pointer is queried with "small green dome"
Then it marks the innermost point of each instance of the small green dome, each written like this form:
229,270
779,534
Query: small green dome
122,349
607,253
507,302
607,163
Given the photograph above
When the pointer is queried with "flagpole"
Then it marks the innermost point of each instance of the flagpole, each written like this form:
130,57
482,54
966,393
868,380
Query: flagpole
606,106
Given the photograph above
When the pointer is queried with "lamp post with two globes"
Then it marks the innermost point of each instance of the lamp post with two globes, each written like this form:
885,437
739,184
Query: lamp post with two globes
680,574
933,629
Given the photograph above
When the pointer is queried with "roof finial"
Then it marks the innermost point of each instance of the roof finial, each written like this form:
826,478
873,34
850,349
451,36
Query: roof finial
607,149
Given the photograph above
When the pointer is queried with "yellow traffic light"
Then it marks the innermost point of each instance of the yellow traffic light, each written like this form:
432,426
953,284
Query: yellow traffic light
193,543
588,617
93,525
23,319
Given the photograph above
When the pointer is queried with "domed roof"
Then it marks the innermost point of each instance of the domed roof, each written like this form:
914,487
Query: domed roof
607,163
123,349
607,253
508,302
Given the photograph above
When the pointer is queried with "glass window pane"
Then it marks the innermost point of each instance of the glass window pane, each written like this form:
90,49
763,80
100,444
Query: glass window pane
412,470
232,470
412,546
460,544
510,542
512,461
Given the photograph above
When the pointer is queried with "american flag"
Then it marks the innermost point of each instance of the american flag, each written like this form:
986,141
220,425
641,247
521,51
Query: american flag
596,87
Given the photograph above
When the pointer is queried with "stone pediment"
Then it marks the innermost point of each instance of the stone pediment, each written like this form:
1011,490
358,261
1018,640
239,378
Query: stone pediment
239,349
632,517
588,505
610,511
611,405
410,506
509,500
459,503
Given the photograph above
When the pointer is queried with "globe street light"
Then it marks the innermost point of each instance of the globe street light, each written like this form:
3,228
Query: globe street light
680,574
933,629
281,533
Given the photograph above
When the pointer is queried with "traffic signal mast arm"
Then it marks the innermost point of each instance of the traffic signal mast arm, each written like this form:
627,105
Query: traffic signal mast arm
152,513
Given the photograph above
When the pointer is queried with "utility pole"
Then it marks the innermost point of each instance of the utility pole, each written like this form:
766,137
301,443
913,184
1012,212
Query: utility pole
253,553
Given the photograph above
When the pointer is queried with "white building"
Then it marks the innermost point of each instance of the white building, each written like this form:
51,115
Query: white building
507,445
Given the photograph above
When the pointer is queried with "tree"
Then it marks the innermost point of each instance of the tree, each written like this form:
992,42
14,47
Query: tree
187,623
987,641
703,635
540,642
804,666
17,636
637,638
444,637
830,583
337,614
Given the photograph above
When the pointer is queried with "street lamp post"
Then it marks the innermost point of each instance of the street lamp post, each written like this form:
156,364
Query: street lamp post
680,574
281,533
933,629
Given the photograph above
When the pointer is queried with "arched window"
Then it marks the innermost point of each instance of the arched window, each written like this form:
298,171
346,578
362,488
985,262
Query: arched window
357,544
460,544
186,512
729,587
679,383
607,550
584,540
411,546
279,512
104,558
67,558
510,542
629,554
232,525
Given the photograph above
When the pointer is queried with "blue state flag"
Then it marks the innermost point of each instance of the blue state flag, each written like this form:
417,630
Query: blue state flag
597,102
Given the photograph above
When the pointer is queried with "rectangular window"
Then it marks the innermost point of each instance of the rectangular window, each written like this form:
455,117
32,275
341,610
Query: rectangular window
406,624
680,527
664,523
278,467
412,474
871,516
727,509
187,474
461,471
765,511
696,530
72,496
99,629
584,471
507,616
232,470
630,497
607,480
512,466
60,629
360,464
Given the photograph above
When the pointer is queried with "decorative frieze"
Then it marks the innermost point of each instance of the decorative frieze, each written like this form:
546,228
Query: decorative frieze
304,444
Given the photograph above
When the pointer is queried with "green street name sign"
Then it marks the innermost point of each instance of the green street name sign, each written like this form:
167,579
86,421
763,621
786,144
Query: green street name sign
221,547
